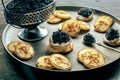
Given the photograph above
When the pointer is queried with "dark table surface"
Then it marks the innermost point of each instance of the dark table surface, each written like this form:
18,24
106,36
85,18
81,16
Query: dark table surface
10,69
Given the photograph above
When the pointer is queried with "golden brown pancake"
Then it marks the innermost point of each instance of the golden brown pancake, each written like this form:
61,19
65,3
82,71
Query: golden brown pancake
103,23
91,57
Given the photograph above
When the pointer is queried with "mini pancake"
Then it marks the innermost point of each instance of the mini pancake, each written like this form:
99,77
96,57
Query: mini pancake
84,25
103,23
24,51
71,27
11,46
44,62
53,19
62,14
91,57
60,62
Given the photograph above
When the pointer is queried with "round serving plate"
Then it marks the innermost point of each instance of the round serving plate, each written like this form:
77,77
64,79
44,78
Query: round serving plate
10,34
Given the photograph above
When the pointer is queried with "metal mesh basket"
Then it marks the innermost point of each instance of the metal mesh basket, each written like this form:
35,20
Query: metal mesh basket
30,21
31,18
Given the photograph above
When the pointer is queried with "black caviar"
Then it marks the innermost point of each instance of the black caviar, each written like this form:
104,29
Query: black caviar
86,12
89,39
112,34
60,37
21,6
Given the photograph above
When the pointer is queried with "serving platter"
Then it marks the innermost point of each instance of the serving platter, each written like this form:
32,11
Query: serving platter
40,47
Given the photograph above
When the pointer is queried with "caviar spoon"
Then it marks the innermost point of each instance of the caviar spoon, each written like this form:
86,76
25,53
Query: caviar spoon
90,40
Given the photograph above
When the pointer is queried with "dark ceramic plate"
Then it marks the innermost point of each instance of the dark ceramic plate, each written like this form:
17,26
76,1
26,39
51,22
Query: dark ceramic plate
10,34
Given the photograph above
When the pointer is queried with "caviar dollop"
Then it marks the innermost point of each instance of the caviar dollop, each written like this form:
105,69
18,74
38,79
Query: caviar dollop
21,6
89,39
112,34
85,12
60,37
